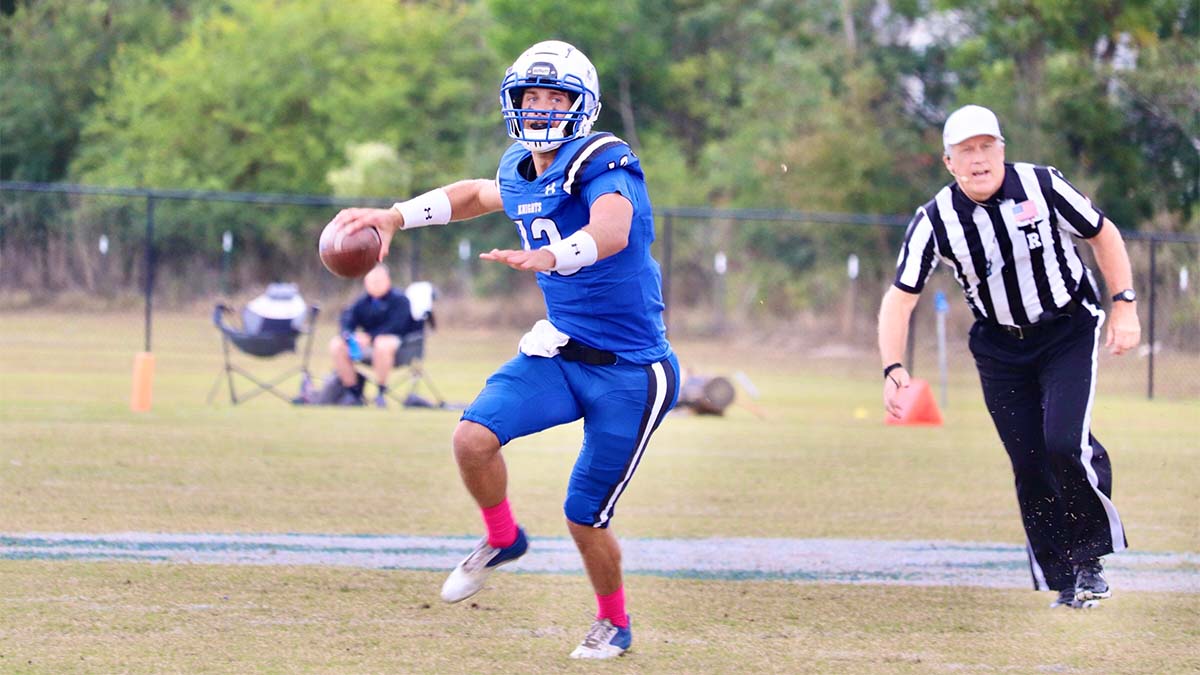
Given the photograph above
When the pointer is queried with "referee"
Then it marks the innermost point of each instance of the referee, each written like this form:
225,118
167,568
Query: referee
1005,230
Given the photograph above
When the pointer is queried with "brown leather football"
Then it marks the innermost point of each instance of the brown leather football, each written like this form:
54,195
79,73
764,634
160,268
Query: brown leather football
350,257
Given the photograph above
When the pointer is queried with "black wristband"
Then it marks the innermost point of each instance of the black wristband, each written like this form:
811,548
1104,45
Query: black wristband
888,371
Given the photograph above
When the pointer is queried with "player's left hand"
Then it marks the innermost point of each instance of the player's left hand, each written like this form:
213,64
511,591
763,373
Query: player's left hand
538,260
1124,330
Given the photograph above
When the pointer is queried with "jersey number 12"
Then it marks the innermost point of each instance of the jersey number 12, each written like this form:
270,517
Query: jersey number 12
544,228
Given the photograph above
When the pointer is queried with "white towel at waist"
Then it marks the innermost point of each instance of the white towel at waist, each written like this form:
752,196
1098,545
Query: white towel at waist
543,340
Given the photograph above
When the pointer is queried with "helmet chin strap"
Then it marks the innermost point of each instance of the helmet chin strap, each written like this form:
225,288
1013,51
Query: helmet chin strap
553,138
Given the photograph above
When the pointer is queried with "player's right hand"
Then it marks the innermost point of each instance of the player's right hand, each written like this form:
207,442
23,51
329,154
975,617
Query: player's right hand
896,381
386,221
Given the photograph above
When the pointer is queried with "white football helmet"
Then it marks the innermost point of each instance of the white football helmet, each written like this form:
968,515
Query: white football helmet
553,65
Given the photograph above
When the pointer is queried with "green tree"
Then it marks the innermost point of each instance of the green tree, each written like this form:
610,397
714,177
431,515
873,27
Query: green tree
1072,81
371,170
258,98
54,58
54,61
265,96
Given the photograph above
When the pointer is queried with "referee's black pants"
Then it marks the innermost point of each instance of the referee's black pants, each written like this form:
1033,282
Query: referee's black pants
1039,391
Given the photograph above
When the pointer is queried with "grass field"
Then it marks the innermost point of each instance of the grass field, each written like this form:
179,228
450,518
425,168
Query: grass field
817,464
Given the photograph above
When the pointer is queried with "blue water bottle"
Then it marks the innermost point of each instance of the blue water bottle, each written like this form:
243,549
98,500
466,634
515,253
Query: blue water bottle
352,347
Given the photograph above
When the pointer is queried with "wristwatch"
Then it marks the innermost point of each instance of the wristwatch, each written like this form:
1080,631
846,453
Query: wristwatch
1126,295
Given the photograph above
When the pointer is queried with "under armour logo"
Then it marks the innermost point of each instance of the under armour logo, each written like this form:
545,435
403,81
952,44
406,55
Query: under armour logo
428,213
550,189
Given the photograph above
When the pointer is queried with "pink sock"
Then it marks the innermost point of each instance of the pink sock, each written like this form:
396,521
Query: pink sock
612,607
501,528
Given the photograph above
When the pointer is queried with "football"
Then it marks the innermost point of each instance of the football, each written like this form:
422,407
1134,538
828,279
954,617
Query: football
350,256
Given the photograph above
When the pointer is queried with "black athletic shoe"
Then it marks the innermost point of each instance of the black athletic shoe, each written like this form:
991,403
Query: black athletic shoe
1066,598
1090,583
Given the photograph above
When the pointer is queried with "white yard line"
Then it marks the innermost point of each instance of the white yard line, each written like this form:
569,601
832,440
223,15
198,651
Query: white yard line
917,563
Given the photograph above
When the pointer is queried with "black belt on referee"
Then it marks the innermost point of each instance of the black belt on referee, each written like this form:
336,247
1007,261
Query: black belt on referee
575,350
1046,322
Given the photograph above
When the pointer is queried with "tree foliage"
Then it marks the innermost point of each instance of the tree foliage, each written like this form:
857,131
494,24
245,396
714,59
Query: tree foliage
55,58
830,105
1073,79
265,96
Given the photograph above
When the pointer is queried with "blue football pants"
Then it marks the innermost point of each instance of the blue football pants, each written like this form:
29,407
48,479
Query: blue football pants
621,406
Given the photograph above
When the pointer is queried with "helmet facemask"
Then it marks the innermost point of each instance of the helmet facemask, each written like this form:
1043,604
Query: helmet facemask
560,67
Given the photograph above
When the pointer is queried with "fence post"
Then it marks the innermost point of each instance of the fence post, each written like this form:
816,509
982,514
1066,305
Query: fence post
941,308
143,363
1153,298
226,260
720,266
668,226
149,264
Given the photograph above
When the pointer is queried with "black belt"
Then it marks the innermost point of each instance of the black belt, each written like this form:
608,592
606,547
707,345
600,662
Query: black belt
1046,322
575,350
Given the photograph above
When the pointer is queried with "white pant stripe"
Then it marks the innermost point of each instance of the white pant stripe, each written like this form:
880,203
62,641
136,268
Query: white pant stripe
1114,521
660,396
1039,577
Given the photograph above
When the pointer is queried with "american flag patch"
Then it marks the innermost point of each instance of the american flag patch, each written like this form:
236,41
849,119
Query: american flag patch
1026,210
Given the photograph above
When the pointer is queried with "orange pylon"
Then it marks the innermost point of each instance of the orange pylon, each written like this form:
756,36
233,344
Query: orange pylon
143,382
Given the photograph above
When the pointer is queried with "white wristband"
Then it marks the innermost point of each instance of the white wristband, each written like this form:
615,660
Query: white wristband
577,250
431,208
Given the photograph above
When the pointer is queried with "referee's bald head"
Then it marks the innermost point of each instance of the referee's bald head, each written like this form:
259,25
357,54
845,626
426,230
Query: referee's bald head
967,122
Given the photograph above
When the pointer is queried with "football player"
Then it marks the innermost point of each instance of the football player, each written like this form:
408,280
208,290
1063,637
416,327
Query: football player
578,200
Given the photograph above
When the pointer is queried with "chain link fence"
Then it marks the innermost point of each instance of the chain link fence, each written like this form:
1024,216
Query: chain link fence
820,277
807,284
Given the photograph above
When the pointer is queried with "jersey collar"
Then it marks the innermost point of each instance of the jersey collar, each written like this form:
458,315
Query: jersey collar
1010,188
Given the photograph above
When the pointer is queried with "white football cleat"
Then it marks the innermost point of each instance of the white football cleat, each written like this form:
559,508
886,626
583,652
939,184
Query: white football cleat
604,641
467,579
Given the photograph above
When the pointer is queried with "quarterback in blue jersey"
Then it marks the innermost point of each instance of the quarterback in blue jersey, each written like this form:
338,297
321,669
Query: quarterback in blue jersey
579,202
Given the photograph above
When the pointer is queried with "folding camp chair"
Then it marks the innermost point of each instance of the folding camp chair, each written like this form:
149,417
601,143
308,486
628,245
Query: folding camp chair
411,354
271,323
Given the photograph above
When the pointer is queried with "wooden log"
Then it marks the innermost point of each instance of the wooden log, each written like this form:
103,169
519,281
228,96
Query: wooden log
706,395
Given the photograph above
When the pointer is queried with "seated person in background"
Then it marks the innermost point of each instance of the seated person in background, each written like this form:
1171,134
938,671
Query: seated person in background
371,329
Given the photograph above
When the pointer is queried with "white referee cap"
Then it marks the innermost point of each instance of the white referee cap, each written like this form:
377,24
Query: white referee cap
967,122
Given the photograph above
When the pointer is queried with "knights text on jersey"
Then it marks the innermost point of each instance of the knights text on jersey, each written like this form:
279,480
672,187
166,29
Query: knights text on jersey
1011,254
615,304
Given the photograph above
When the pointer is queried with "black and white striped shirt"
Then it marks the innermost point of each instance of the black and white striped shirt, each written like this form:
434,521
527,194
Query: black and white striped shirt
1010,254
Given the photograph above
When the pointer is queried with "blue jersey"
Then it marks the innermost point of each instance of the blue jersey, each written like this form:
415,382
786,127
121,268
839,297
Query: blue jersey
615,304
